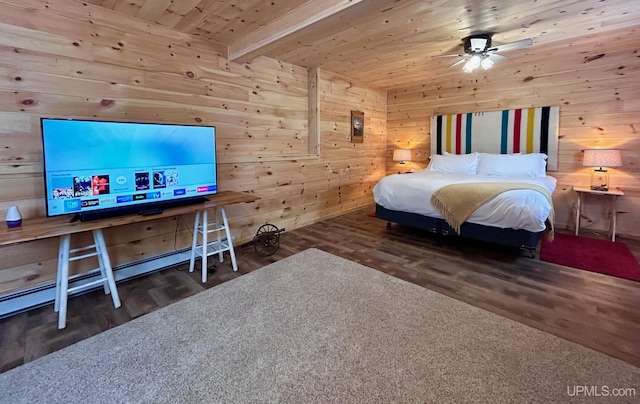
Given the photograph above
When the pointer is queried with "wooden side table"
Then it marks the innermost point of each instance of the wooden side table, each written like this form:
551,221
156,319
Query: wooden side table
612,193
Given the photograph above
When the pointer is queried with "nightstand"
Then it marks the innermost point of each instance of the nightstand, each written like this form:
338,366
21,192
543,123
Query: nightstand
612,193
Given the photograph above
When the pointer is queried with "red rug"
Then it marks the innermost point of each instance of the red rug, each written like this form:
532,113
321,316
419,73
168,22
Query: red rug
591,254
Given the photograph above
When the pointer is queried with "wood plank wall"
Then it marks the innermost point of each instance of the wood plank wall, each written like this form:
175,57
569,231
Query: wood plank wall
594,80
69,59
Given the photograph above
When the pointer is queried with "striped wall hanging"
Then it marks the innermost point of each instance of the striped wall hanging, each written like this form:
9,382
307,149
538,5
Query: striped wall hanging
525,130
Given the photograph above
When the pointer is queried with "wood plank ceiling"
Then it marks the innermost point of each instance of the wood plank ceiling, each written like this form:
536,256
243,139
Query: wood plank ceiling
383,43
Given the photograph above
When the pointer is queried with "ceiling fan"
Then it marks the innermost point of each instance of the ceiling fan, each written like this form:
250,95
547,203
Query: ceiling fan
479,52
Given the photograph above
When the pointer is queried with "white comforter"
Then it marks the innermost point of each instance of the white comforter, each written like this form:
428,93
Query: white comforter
517,209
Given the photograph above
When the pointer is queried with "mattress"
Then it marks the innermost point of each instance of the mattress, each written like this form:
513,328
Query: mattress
517,209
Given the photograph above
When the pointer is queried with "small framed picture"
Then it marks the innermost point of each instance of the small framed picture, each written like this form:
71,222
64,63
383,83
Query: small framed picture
357,127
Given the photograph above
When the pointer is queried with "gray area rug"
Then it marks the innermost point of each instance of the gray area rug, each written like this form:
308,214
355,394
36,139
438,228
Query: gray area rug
316,328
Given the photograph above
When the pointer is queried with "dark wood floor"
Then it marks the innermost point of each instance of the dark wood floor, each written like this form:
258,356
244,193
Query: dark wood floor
594,310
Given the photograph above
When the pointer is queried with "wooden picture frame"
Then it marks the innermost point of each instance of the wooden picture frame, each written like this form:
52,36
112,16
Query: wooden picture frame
357,127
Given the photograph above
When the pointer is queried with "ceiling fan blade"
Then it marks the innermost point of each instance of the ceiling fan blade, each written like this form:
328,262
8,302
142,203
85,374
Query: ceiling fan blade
449,55
523,43
459,62
496,58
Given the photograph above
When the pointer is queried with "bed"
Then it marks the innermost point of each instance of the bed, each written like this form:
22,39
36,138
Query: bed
515,217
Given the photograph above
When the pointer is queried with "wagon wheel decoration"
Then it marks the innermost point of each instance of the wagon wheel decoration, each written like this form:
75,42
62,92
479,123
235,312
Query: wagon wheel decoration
267,239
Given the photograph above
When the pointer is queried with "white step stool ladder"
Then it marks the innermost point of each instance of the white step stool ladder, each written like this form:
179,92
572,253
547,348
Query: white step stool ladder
201,230
62,282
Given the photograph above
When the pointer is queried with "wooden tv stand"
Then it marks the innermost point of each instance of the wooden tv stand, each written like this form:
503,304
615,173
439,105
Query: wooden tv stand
42,228
47,227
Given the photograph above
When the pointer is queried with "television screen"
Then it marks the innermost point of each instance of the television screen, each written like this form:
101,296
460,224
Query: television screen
99,169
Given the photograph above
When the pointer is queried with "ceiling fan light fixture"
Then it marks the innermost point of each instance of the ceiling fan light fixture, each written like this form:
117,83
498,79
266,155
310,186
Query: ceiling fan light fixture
472,64
486,63
479,52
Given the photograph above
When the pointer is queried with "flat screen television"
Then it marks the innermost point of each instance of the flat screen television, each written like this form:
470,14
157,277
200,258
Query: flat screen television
98,169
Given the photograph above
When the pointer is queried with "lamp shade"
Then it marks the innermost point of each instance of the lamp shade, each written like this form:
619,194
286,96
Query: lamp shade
402,155
602,158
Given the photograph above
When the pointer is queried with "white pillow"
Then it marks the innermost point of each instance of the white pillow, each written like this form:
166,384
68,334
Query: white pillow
531,165
454,163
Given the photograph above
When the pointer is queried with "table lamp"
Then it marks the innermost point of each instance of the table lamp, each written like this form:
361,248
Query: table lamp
402,155
601,158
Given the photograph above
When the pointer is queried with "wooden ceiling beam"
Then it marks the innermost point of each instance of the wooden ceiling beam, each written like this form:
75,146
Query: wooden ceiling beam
249,46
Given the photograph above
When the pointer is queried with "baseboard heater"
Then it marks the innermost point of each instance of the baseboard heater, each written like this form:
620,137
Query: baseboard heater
43,295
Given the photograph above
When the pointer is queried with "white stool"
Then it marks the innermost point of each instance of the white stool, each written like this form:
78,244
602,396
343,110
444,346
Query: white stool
201,229
62,281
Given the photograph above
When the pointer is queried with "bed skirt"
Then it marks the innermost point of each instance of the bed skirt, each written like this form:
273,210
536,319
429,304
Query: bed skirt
508,237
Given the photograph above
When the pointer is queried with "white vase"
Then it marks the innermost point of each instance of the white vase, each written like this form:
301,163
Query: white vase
13,217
